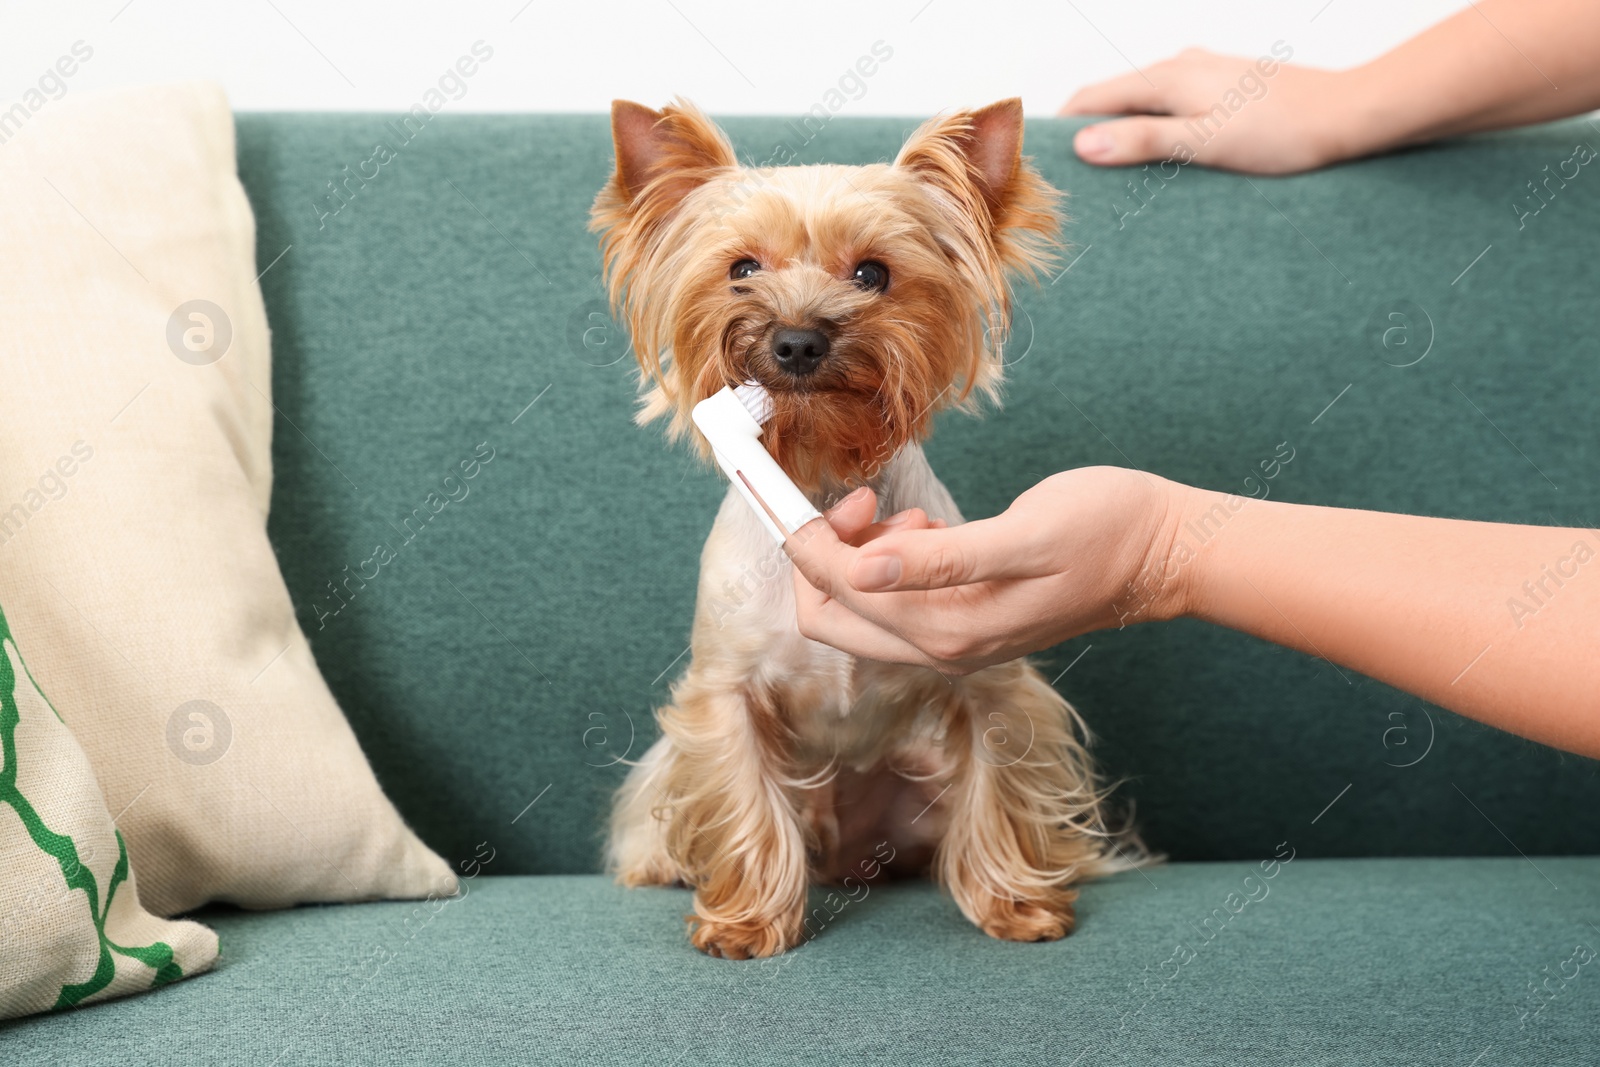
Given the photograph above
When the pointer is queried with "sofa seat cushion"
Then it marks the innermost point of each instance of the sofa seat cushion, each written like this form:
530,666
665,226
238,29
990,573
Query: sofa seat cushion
1373,961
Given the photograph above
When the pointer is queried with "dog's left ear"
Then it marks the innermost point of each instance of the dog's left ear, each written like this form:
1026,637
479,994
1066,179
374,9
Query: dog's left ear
975,157
981,149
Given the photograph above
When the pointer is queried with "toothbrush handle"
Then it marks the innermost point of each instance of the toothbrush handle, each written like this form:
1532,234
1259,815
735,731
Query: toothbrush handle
732,471
752,467
735,437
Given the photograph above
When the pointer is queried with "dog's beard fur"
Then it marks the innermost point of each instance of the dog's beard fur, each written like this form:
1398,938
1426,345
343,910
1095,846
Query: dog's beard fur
957,212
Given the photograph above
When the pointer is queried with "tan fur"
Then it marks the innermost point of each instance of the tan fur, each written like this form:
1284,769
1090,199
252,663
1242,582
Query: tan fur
783,761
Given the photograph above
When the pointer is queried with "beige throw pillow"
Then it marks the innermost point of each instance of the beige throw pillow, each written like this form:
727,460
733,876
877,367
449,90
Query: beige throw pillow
135,473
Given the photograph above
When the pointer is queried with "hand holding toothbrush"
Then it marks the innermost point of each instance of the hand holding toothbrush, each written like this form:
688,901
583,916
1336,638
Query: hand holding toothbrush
1419,603
1064,559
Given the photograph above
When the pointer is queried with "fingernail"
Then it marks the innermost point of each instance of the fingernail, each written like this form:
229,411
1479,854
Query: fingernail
876,572
1093,141
896,520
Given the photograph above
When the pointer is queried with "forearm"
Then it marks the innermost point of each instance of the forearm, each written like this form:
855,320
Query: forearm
1498,63
1497,622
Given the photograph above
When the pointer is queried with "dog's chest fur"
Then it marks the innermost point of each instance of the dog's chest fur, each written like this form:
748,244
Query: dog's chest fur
837,706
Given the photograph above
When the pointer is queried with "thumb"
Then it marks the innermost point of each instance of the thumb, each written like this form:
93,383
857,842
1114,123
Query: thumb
1120,142
937,558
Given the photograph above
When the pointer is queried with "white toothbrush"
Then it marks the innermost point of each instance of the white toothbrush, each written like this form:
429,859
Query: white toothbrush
731,420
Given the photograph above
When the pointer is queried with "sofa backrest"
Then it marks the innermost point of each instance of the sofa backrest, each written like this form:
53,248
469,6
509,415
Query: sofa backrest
1416,333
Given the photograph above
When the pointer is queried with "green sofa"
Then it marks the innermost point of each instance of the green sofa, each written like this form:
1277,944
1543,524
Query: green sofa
1410,330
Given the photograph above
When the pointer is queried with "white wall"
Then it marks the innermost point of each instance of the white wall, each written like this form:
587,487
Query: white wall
749,56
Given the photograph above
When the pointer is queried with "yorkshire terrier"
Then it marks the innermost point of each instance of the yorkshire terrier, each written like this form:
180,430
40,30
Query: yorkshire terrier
864,299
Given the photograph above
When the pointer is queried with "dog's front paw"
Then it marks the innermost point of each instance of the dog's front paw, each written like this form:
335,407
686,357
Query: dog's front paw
1024,920
738,940
654,871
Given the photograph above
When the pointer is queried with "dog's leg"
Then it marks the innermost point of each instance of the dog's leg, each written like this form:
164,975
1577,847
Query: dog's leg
734,827
819,816
637,849
1024,819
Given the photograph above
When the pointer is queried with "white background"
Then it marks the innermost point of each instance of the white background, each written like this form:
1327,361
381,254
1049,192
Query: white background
751,56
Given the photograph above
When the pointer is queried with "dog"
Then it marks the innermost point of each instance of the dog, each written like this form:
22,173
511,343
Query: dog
864,299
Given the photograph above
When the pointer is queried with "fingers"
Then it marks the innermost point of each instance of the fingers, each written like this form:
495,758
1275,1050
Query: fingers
1120,142
819,543
850,524
913,519
854,514
819,556
939,558
846,622
830,607
821,618
851,518
1122,95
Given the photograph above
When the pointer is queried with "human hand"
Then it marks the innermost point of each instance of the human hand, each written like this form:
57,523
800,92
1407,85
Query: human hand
1055,564
1256,116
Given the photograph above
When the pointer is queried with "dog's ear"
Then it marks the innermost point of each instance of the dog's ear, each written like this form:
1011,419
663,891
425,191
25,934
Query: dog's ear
975,157
981,148
663,155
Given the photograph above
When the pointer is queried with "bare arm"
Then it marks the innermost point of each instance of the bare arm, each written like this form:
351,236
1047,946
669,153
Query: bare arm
1496,64
1500,623
1497,622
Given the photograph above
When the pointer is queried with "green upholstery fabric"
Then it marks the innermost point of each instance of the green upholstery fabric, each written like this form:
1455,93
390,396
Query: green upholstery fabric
1371,962
517,643
506,658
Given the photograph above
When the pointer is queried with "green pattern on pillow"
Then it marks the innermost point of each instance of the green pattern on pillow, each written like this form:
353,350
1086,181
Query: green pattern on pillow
65,941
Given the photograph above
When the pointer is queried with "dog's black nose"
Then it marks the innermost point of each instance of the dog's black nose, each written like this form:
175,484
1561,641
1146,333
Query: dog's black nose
799,351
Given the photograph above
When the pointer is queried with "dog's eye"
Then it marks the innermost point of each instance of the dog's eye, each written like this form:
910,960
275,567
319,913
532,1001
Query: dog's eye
872,275
743,269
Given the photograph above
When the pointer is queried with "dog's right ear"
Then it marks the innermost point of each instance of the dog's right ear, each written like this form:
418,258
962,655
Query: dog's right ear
663,155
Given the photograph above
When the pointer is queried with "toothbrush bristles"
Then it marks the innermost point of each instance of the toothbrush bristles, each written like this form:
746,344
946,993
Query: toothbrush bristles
755,400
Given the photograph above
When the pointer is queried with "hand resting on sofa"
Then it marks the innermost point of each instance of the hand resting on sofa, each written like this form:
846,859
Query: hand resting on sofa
1498,64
